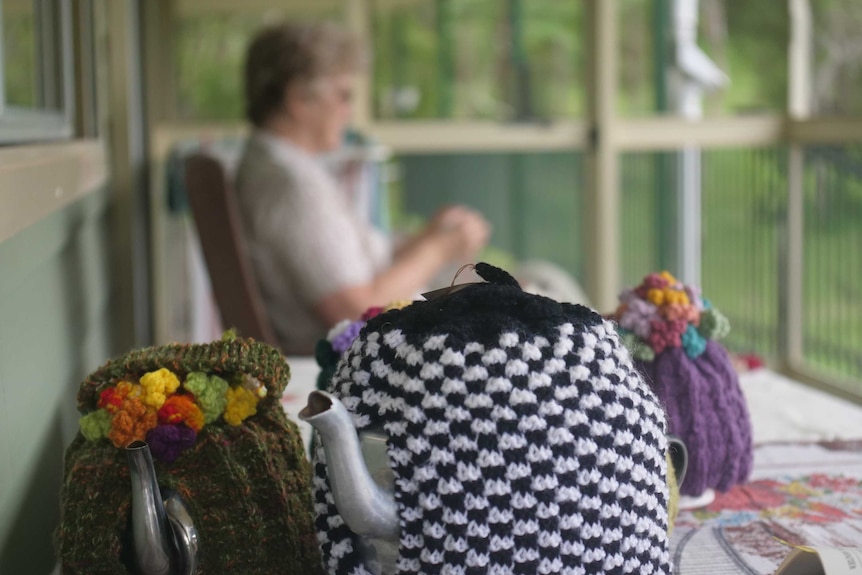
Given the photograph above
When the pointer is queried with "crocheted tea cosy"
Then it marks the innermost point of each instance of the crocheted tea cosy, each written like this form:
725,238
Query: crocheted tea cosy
521,438
673,332
212,417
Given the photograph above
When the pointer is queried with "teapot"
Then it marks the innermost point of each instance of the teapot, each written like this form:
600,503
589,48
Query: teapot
164,538
360,476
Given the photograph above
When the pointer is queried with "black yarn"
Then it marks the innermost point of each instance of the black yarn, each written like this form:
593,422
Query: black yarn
495,275
492,308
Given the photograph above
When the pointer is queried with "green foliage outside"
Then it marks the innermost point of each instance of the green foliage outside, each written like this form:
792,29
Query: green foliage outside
510,60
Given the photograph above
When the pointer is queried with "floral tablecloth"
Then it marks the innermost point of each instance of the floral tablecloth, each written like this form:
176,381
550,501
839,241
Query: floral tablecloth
800,493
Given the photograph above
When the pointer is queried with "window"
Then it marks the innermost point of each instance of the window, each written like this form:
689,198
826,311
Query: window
36,97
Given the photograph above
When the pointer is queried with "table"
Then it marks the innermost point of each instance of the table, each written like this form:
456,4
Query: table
806,486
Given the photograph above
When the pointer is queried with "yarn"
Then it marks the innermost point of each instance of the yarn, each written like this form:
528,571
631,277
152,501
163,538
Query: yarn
713,324
520,436
96,425
181,409
157,385
241,403
168,441
692,376
247,487
341,342
209,392
706,408
131,422
341,336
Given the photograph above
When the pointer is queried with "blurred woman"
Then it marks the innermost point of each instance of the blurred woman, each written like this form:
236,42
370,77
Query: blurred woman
318,262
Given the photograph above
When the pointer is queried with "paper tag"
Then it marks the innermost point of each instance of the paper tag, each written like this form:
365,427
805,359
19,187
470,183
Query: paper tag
442,292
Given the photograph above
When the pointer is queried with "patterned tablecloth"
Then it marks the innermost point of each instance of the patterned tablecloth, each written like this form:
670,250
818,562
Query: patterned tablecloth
804,493
806,489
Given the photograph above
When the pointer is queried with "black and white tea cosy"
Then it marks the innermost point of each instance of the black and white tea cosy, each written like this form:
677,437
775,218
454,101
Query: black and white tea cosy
521,438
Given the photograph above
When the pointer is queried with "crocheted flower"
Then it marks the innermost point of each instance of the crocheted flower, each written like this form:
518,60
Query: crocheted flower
713,324
371,313
131,422
686,313
693,293
397,304
344,340
252,384
651,282
665,313
158,385
638,317
638,349
241,403
181,409
209,392
96,424
168,441
666,334
693,343
338,329
112,398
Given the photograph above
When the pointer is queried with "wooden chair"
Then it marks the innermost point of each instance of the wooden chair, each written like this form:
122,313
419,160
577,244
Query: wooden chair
219,228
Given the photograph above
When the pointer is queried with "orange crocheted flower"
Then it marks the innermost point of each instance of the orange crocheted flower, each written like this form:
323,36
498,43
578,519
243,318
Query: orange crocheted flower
181,409
111,399
131,423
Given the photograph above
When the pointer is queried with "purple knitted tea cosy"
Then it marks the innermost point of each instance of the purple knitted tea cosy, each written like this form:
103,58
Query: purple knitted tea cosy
672,332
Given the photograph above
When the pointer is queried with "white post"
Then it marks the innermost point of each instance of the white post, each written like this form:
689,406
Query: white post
799,108
696,74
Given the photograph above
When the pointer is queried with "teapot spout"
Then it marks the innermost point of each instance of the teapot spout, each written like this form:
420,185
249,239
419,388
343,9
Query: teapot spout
366,508
164,538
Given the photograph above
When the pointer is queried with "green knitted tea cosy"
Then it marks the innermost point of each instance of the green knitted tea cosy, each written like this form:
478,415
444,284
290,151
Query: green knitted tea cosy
236,460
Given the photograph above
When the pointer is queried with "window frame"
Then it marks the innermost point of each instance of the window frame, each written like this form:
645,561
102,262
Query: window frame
56,68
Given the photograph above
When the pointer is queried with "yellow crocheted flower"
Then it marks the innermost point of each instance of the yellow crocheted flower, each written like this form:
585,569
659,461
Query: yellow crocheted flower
670,279
656,296
397,304
241,403
157,386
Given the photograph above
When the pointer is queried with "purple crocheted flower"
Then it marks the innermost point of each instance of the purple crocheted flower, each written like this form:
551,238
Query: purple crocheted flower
694,296
638,317
168,441
344,340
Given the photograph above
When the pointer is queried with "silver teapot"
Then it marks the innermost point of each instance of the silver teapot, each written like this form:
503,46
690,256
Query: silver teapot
164,538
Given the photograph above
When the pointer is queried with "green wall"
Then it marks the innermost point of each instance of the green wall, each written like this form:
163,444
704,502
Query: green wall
54,329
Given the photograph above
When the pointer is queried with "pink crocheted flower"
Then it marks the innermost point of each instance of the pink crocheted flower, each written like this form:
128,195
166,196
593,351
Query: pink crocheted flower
666,334
686,313
650,282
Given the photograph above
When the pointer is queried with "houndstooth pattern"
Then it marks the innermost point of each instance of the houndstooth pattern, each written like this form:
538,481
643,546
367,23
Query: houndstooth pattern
537,455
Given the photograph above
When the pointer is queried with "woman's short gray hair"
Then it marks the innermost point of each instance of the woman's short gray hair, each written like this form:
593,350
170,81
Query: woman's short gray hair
291,54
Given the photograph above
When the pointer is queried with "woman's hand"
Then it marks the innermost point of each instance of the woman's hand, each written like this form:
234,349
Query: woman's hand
464,230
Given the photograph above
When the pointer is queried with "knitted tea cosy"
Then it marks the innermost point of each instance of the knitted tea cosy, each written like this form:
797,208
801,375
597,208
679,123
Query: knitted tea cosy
212,418
673,330
520,436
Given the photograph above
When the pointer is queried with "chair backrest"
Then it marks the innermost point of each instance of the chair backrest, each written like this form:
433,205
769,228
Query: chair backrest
219,228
